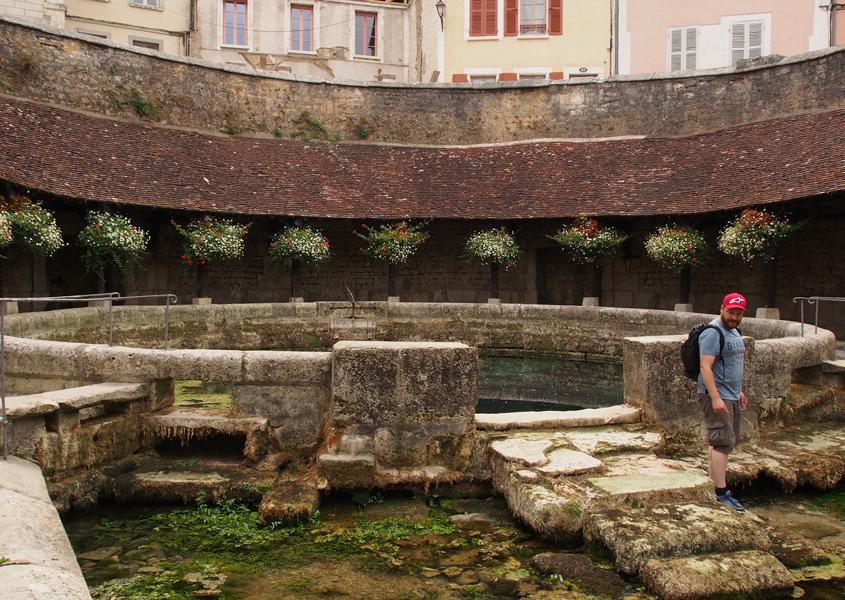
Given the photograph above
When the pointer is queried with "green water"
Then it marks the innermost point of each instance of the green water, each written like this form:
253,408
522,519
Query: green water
365,546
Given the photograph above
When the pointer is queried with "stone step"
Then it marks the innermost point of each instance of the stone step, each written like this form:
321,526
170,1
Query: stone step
646,487
555,419
834,366
637,533
347,471
290,501
76,398
186,425
422,475
749,574
545,453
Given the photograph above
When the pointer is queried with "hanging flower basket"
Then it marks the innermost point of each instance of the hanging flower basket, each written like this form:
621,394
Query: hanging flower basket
303,244
493,246
394,243
5,229
34,227
675,248
586,240
754,234
209,240
111,239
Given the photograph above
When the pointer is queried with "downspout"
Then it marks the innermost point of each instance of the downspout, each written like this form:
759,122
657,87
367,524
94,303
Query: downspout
614,38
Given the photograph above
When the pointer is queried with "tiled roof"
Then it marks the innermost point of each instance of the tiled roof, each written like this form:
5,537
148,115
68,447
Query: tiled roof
101,159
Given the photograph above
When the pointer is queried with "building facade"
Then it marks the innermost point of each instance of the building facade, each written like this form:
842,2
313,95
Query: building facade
162,25
656,36
366,40
515,40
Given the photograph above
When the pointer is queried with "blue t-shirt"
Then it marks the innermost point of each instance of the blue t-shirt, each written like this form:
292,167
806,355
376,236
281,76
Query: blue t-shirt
727,370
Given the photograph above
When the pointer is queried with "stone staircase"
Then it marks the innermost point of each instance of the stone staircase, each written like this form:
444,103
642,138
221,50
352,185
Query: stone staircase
598,479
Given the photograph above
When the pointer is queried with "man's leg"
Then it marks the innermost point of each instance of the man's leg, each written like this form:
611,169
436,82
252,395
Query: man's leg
718,468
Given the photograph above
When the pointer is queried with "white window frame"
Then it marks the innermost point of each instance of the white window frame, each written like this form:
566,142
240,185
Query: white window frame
728,22
221,33
315,32
379,57
531,36
102,35
135,38
482,72
159,4
544,71
684,53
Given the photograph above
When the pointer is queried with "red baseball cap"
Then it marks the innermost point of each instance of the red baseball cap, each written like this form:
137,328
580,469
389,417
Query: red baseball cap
734,300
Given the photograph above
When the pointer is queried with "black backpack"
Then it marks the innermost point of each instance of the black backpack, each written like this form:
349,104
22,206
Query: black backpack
690,353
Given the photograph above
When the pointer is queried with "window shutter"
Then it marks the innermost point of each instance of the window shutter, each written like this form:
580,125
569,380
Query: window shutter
755,39
737,42
491,24
511,17
675,49
691,50
475,21
555,17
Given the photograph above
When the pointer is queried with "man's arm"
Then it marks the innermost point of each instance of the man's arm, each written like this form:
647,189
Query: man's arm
705,364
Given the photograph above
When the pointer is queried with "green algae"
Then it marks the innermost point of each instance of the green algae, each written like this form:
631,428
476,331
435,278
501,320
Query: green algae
201,394
831,502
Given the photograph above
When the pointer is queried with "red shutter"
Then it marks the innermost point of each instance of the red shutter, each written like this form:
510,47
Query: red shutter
555,17
491,21
512,17
476,23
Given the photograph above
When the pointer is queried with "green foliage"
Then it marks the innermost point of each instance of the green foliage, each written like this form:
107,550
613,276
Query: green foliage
25,62
674,247
307,127
33,226
170,584
363,129
755,234
4,560
210,239
381,536
394,243
232,123
144,106
832,502
277,132
585,240
109,239
334,138
493,246
304,244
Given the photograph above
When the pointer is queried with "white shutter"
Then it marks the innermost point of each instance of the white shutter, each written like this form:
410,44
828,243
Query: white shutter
676,49
755,39
737,42
691,50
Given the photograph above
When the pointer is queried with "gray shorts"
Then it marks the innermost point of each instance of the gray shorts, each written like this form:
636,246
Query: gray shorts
722,428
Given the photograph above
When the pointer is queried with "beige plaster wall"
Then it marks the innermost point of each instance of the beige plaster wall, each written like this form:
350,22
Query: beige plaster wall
585,42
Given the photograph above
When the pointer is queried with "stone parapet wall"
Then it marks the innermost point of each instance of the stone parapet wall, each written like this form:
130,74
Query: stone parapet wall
38,560
104,77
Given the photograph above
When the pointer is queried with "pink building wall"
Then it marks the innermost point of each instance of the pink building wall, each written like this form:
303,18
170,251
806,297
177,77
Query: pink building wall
792,25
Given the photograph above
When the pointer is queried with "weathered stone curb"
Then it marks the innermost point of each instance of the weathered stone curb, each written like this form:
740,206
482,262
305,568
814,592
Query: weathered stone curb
551,419
41,562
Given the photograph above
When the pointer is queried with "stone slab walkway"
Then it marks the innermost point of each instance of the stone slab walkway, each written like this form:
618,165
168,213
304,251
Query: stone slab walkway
606,485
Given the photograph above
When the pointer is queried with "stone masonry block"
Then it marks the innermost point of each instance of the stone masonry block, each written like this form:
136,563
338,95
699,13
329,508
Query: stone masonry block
418,397
287,368
295,413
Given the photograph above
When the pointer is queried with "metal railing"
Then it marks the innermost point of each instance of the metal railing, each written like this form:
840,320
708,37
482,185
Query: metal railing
814,300
109,298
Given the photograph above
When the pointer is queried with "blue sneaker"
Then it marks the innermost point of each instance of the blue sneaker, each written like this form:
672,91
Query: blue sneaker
728,500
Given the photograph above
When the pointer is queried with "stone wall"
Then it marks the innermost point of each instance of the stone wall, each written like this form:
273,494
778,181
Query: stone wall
104,77
812,262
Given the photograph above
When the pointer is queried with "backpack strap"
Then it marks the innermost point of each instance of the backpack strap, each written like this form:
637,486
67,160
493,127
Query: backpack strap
721,339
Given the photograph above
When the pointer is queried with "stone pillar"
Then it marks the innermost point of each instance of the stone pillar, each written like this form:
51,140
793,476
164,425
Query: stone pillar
414,402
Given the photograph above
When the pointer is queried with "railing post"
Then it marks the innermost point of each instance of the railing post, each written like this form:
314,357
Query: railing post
111,303
817,313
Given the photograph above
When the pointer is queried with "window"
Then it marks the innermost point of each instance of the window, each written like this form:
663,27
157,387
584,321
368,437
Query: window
234,22
483,20
532,77
482,78
302,27
683,48
146,3
532,17
149,44
365,33
97,34
746,40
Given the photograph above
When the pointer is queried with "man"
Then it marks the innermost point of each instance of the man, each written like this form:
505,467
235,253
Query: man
720,390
